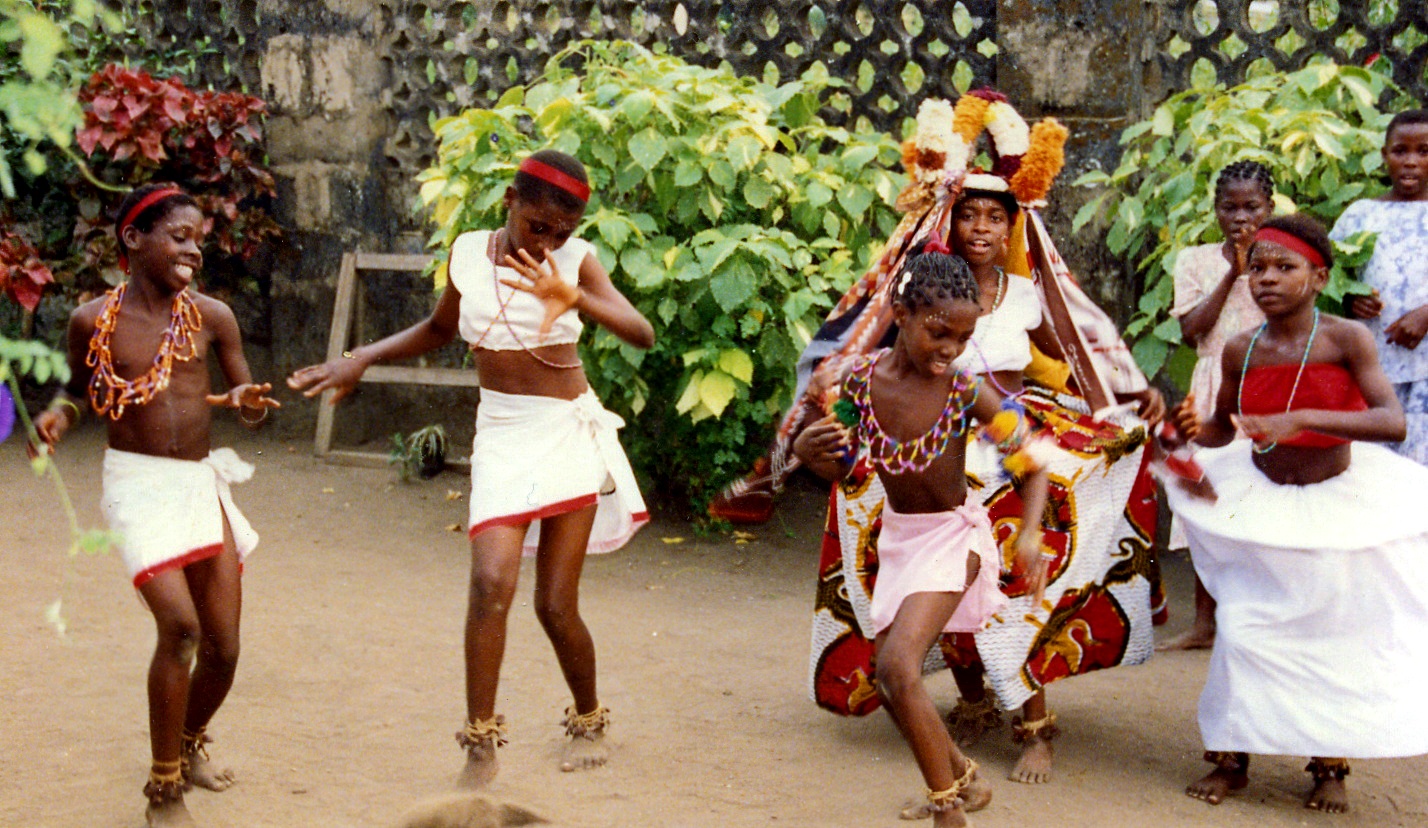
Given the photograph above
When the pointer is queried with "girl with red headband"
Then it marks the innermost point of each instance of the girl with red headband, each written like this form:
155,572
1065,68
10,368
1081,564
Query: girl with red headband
138,357
1315,547
548,475
907,410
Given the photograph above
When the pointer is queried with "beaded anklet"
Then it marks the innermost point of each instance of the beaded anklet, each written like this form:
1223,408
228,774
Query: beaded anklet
984,713
950,799
483,733
1323,769
1045,727
586,725
166,783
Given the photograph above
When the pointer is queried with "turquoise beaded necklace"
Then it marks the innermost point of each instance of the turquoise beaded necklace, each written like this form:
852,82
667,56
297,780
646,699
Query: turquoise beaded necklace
1294,389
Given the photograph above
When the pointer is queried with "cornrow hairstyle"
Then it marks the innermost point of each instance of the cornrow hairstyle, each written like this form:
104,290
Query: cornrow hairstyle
154,213
1307,229
1407,117
533,190
928,276
1245,171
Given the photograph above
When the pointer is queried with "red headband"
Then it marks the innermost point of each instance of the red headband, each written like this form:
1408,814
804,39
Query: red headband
551,175
134,212
1274,235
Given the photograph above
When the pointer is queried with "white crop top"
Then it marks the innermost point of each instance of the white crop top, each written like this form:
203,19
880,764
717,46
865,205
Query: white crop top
1001,341
517,327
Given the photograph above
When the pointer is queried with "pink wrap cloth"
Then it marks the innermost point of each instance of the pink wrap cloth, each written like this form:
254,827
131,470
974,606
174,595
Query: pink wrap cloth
928,552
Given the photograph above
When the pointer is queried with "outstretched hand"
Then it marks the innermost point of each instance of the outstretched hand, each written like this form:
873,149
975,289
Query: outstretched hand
249,395
341,375
542,280
1150,404
1408,330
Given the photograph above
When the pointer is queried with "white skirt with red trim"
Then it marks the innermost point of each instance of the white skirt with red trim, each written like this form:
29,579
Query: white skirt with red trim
536,457
169,513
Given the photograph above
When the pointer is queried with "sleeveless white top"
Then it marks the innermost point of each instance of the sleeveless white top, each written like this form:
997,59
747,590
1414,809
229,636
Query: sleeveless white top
1001,341
502,318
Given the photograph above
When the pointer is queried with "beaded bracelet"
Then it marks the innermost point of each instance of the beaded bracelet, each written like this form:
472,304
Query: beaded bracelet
59,403
246,421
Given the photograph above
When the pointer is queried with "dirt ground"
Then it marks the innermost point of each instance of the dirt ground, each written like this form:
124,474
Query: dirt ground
349,688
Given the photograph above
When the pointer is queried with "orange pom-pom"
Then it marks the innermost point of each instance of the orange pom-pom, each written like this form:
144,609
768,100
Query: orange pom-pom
1043,162
909,156
969,117
1003,425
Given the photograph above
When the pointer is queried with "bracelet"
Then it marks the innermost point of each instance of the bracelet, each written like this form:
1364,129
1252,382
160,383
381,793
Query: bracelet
348,355
246,421
59,402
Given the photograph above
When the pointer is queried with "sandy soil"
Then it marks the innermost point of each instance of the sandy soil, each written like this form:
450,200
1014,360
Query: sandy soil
349,688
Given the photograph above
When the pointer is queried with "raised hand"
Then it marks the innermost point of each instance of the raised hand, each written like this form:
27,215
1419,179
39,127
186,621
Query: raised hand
1183,417
542,280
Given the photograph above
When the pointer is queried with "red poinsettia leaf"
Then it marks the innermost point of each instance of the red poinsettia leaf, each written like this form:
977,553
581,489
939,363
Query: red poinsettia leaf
152,147
88,139
123,151
135,107
107,140
26,292
37,271
103,107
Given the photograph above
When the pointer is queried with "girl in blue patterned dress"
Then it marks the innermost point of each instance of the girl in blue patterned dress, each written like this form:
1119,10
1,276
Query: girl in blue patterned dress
1397,312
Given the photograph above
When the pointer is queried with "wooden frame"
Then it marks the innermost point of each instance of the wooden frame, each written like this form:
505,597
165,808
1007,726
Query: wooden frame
343,311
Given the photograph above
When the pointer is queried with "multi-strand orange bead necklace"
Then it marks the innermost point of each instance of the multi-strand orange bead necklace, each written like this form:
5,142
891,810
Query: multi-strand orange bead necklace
109,393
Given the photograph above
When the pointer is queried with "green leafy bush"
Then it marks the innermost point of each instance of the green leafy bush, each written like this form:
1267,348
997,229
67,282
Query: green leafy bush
727,210
1319,131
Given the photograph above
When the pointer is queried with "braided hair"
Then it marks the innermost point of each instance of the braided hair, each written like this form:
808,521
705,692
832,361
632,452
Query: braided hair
1245,171
930,273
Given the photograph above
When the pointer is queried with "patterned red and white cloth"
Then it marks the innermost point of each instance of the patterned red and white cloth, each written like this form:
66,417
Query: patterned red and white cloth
1104,590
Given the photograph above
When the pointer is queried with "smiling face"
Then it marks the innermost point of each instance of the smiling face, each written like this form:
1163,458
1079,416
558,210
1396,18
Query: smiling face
1405,153
1281,280
537,227
936,333
171,253
981,230
1241,207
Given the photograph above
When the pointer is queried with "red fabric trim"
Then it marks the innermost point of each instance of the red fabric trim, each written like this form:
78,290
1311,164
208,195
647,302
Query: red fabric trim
202,553
551,510
1273,235
551,175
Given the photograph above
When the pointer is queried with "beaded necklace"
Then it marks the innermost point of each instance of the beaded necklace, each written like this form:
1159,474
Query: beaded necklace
109,393
1294,389
492,246
1001,288
897,457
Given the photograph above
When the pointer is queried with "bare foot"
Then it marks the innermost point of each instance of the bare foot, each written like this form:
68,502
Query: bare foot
1218,784
481,767
1195,638
1034,765
954,818
170,813
584,752
203,772
969,720
1329,795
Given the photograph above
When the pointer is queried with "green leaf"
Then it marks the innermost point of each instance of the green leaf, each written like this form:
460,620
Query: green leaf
743,151
758,192
716,391
737,364
1163,122
855,200
614,229
818,194
647,148
1150,354
732,287
690,397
